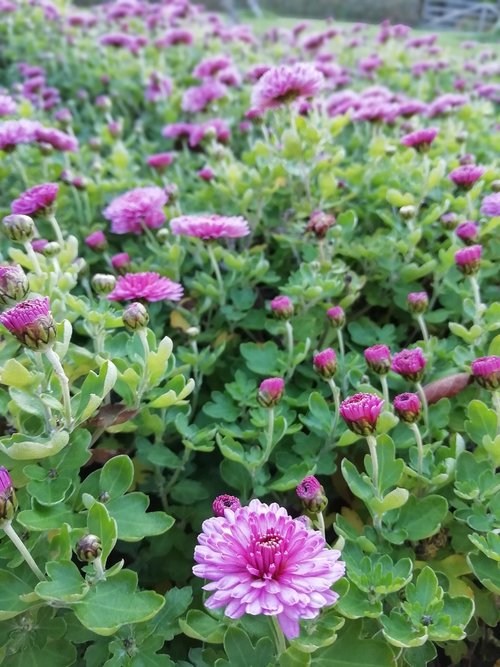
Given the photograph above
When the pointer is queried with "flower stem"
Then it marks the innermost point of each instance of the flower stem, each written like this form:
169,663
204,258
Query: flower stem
372,446
478,306
270,434
21,547
57,230
33,258
420,447
218,276
290,346
64,382
340,339
495,397
321,524
385,391
423,329
279,636
143,335
99,570
421,393
336,400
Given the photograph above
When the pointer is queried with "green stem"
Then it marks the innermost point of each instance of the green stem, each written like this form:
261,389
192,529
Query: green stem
321,523
385,392
425,406
100,575
57,230
64,382
143,336
372,446
340,339
269,435
33,258
20,168
336,400
420,447
290,347
279,636
478,306
218,276
423,329
21,547
495,397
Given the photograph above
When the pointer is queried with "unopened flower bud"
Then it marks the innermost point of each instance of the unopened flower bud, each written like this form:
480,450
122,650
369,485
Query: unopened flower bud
325,363
163,235
410,364
336,316
390,150
103,283
486,372
270,392
88,548
361,412
418,302
407,212
14,284
19,227
224,502
8,503
407,407
192,332
95,144
120,262
282,307
319,223
104,497
32,323
449,220
172,192
468,260
312,495
378,358
135,317
467,232
51,249
96,241
495,185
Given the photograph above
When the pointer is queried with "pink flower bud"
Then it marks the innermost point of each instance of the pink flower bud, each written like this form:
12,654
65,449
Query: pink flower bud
206,174
410,364
14,285
468,260
360,412
467,232
160,161
312,495
282,307
491,204
486,372
325,363
8,502
336,316
31,322
96,241
39,245
407,407
466,175
270,392
418,302
225,502
449,220
135,317
420,139
319,223
39,200
121,261
378,358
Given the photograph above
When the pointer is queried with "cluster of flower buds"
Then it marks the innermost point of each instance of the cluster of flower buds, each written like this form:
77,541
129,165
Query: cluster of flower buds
468,259
103,283
319,223
20,228
336,316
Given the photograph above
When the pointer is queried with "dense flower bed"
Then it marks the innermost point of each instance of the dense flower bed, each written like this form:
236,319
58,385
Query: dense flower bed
250,360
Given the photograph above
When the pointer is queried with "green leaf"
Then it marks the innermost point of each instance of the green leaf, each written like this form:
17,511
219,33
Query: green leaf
11,590
24,447
291,478
66,583
396,498
116,602
117,476
101,524
294,658
59,653
359,486
425,590
418,518
132,520
241,653
399,631
482,422
420,656
261,358
166,622
43,518
351,651
486,570
354,603
93,391
51,490
203,627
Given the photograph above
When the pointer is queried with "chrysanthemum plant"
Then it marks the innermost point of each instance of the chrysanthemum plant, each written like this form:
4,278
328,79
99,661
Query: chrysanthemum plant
311,480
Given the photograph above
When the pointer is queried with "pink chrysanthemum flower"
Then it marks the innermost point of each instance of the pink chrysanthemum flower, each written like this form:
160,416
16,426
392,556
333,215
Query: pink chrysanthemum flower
468,260
261,561
378,358
282,307
206,173
14,132
286,83
360,412
407,407
410,364
420,139
198,98
418,302
141,207
309,488
325,363
209,67
38,200
59,140
7,105
210,226
224,502
149,286
486,371
466,175
31,322
160,161
96,240
467,232
270,392
491,205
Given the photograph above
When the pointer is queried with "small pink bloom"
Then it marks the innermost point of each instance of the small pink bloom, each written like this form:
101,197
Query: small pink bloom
224,502
131,212
336,316
210,226
259,560
360,412
96,240
286,83
282,307
160,161
38,245
325,363
420,139
491,205
467,232
486,371
206,174
466,175
148,286
407,407
410,364
5,482
418,302
309,488
120,261
198,98
378,358
271,391
468,260
319,223
38,200
31,322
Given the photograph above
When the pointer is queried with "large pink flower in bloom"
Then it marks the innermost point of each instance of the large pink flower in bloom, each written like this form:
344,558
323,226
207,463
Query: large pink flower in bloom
149,286
14,132
420,138
210,226
131,212
37,200
286,83
261,561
